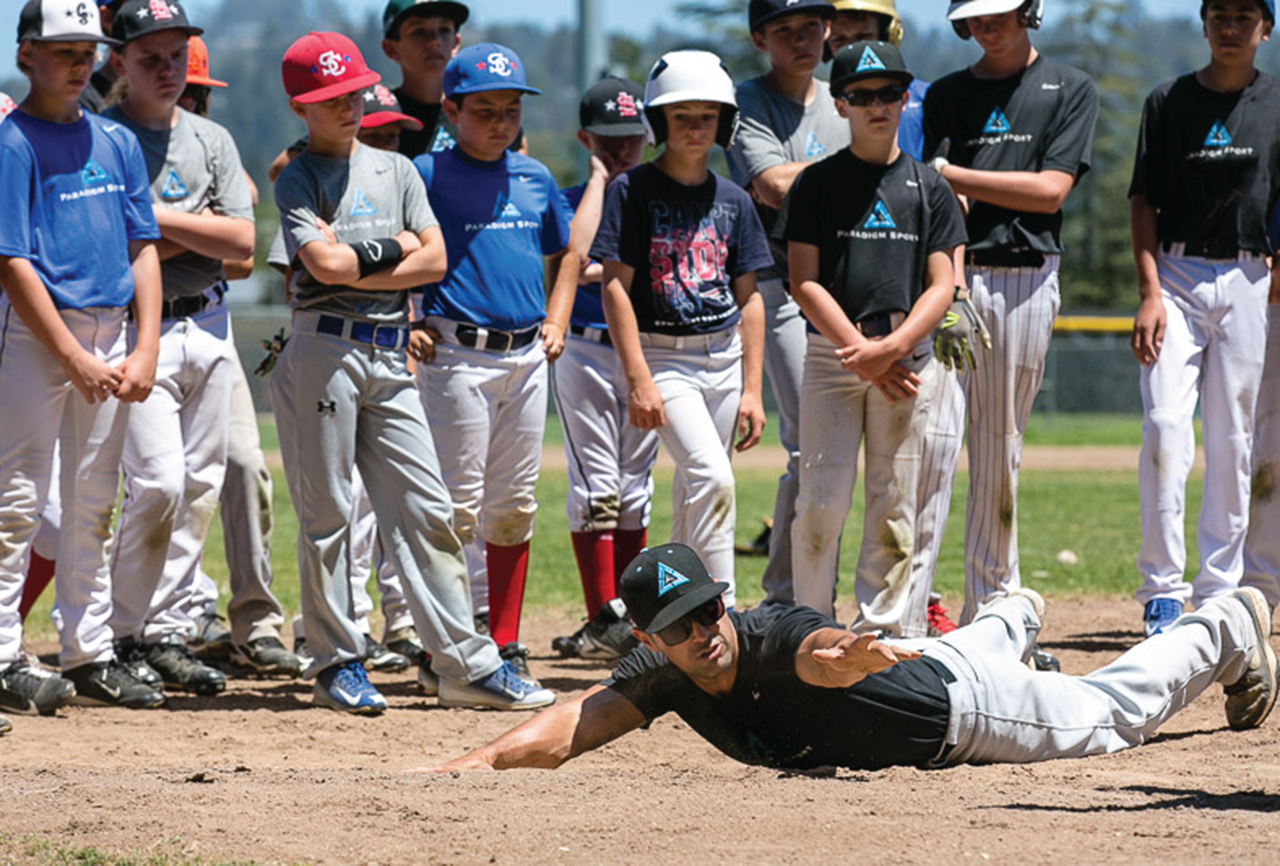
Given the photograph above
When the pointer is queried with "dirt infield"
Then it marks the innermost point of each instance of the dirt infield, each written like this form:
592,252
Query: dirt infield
258,774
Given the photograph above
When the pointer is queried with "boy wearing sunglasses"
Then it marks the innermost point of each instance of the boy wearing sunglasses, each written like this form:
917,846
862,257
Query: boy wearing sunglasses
870,234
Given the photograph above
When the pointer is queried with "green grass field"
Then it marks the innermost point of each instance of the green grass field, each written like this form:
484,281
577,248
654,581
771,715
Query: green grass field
1093,513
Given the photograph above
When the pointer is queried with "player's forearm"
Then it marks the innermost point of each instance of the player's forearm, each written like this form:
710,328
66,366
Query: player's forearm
240,269
772,185
751,331
624,329
147,296
932,304
586,219
208,234
1027,191
563,269
422,266
34,305
1144,235
822,311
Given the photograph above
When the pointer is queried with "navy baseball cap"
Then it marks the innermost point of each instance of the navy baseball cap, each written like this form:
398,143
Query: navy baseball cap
612,108
485,66
664,584
761,12
861,60
1268,8
381,107
138,18
61,21
398,10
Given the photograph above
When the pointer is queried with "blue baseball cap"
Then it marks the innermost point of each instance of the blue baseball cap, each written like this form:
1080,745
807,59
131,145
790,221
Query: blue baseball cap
485,66
1268,8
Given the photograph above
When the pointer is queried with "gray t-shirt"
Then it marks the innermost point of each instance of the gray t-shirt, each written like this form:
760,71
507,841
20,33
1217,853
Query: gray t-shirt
775,131
374,194
192,166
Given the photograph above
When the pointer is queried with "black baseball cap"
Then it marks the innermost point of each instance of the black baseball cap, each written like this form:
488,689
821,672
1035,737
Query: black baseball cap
60,21
138,18
398,10
761,12
868,60
613,108
664,584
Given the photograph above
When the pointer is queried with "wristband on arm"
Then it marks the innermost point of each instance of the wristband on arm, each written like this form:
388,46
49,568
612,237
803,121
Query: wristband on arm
377,254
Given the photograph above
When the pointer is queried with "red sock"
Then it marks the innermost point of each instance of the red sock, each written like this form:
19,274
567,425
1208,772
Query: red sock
627,544
39,574
508,568
594,552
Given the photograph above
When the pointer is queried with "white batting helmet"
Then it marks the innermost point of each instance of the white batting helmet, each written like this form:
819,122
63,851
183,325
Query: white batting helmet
689,76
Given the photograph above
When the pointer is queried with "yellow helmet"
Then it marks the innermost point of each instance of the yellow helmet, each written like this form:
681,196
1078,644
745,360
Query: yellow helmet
881,7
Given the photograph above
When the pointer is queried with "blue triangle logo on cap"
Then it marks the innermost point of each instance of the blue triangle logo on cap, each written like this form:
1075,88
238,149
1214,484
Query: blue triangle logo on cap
361,206
92,173
997,123
174,188
870,60
668,579
880,217
1218,136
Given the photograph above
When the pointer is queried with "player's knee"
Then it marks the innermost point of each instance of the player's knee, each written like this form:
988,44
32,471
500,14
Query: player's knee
599,513
510,527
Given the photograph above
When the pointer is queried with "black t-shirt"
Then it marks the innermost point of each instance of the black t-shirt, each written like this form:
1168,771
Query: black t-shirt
687,245
773,719
437,133
1207,162
1041,119
94,97
874,227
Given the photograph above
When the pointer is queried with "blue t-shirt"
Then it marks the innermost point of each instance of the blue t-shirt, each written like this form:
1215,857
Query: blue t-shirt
72,196
588,308
687,245
911,123
499,219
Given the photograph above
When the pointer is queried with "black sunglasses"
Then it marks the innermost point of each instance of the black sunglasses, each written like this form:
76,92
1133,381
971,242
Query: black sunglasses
706,616
863,97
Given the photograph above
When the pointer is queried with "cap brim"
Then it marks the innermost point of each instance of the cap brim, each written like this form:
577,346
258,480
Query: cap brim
499,85
457,12
74,37
615,130
185,28
904,77
382,118
827,11
974,8
360,82
685,605
207,82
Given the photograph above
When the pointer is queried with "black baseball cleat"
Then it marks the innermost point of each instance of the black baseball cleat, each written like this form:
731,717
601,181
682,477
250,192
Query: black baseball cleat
518,655
32,691
133,657
378,657
759,546
569,646
108,684
179,669
267,656
608,636
1042,660
211,641
406,642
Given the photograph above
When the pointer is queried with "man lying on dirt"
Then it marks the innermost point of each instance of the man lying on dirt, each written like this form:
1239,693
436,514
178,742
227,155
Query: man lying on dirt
788,688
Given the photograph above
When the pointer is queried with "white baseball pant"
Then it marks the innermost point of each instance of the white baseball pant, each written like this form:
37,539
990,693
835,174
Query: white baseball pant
1018,306
43,407
840,411
610,461
784,351
1003,712
368,559
700,379
1216,328
939,457
1262,543
342,404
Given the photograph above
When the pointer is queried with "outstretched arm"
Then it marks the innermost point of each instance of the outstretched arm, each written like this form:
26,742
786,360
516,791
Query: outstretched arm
833,658
554,735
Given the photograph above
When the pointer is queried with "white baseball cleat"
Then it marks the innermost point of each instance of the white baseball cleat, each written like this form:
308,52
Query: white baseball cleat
1251,698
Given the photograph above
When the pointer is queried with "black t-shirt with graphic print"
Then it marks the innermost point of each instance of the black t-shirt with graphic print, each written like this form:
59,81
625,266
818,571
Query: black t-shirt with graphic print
869,223
687,245
1041,119
1207,162
771,718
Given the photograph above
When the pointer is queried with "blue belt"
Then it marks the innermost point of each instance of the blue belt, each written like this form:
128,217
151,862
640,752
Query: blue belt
389,336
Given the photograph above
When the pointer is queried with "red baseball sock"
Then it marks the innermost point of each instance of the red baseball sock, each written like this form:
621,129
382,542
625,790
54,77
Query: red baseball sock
508,569
594,552
39,574
627,544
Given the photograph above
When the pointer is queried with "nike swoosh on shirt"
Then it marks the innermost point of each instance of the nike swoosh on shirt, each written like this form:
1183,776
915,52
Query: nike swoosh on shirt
111,127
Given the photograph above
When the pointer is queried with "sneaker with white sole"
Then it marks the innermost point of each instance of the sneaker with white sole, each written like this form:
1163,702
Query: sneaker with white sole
5,726
504,689
1251,698
32,691
346,688
379,658
608,636
109,684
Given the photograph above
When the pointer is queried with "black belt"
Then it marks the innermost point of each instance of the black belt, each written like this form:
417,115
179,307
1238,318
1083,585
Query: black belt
495,341
1025,258
875,325
603,336
180,308
390,336
1219,249
939,668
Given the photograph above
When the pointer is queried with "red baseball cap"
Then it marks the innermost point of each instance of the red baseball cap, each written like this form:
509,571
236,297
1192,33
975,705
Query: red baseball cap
198,64
320,66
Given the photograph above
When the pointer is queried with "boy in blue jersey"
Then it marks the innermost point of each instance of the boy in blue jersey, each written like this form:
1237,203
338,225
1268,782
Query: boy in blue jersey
488,327
610,461
681,247
66,176
359,234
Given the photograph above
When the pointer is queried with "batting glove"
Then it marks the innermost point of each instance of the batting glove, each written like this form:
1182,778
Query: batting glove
961,327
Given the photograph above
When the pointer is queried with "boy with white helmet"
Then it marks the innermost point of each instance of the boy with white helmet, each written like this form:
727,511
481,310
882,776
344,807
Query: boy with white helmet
1012,134
680,248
